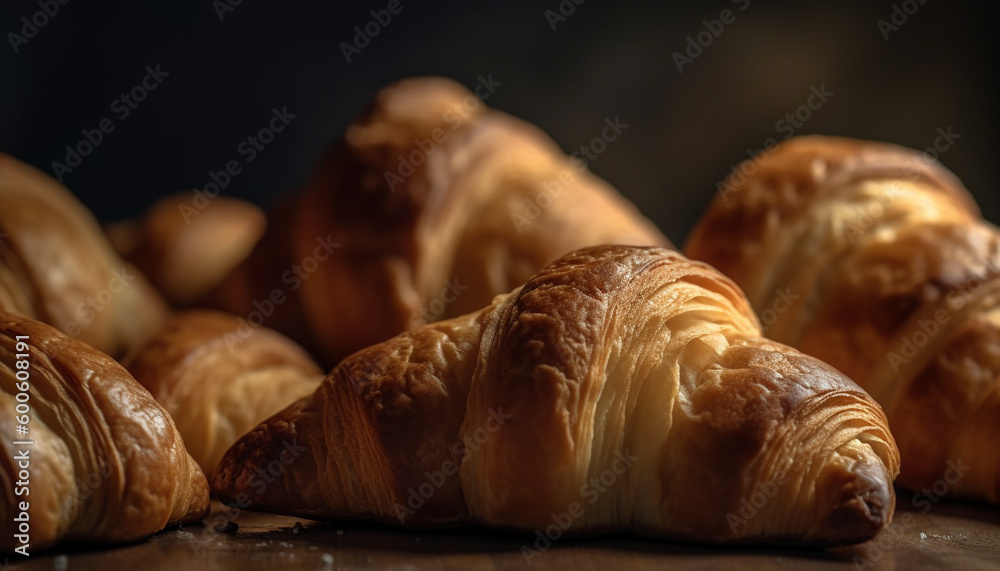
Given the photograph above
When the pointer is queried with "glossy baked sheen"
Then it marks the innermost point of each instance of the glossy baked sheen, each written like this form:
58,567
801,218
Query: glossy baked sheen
630,364
107,464
490,201
897,279
218,377
57,267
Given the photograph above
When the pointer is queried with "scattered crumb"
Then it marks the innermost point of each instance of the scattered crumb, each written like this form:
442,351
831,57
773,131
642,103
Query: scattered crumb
327,559
923,535
228,527
285,544
262,544
60,563
313,548
340,532
297,527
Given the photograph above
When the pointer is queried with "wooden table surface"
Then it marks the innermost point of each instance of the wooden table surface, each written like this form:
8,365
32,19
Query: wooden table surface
954,536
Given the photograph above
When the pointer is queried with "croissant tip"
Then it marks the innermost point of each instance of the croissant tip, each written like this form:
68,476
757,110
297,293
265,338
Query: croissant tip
256,466
227,481
863,508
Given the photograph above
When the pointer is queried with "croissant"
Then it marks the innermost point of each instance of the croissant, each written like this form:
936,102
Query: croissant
218,377
57,267
188,242
621,388
88,455
433,205
875,259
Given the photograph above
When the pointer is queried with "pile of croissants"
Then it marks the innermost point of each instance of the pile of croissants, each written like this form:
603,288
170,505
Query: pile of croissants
499,365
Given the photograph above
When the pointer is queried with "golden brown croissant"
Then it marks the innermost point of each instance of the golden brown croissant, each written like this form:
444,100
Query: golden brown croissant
875,259
433,205
97,460
187,243
621,388
57,267
218,377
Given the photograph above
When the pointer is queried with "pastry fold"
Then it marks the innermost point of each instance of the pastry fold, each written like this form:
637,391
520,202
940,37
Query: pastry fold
875,259
621,388
219,376
432,205
105,463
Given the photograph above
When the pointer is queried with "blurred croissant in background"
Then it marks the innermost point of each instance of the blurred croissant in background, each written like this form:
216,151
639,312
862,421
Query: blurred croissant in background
432,205
898,280
186,243
56,266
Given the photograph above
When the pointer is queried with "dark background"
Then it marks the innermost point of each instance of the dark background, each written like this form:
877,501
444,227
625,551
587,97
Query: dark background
607,59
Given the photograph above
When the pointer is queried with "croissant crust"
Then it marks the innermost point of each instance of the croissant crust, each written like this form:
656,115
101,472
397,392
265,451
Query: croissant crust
106,463
634,368
875,259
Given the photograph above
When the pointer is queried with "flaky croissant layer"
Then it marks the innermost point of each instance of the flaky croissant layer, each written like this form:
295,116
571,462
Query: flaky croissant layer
218,377
101,462
621,388
897,284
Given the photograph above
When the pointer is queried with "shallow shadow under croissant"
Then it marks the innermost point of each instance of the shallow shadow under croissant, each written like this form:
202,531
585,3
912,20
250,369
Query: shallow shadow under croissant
620,389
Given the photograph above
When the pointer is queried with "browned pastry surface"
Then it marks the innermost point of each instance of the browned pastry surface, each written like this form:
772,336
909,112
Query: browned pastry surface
369,248
218,377
631,367
896,280
106,464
